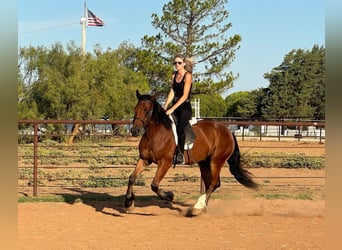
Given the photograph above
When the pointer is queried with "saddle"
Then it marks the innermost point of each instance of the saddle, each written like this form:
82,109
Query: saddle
189,133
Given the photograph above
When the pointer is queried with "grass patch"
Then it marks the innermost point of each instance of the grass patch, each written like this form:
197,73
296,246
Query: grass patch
184,177
282,160
71,198
41,199
285,196
101,182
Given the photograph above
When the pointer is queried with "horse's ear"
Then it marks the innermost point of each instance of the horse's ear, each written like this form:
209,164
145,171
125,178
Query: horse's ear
137,93
154,97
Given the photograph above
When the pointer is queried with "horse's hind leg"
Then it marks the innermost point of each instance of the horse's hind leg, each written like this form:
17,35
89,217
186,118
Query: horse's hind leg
210,173
129,200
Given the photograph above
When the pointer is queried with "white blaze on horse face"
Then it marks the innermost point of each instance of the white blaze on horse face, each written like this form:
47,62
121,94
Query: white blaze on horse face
200,204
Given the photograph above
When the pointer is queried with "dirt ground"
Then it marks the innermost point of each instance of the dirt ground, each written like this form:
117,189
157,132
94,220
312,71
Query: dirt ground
243,221
234,224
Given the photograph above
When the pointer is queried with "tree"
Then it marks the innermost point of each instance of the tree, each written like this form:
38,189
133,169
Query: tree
243,104
198,29
60,84
297,86
53,81
27,108
212,106
119,82
147,63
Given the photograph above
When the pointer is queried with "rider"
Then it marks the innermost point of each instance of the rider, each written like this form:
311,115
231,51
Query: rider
179,97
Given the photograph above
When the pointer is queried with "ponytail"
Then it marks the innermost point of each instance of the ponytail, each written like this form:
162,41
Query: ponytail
189,62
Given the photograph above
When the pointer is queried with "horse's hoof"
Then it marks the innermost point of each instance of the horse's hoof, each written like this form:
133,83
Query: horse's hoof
130,207
196,211
192,212
129,203
169,196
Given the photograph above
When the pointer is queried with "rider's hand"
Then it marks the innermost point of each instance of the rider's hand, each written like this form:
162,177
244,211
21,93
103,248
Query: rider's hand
169,111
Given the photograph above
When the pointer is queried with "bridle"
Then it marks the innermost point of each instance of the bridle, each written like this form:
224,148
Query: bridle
144,123
148,115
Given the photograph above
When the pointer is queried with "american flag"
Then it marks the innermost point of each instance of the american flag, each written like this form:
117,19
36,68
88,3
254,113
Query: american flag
94,20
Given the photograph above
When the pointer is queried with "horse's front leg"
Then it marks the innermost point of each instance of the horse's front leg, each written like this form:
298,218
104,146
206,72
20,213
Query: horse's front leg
162,169
129,200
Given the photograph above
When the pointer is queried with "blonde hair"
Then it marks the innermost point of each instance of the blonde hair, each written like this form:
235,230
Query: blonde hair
189,62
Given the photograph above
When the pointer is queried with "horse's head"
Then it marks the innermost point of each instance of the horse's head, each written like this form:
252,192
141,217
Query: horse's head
142,112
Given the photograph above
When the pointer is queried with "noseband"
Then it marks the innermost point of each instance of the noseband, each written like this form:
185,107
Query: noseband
148,115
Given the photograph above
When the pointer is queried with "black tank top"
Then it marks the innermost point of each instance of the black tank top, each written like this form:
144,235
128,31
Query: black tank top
178,87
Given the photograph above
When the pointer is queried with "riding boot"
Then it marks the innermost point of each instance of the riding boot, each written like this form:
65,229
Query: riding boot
179,151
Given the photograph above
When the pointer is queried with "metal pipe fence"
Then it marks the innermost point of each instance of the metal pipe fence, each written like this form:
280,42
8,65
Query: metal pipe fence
118,159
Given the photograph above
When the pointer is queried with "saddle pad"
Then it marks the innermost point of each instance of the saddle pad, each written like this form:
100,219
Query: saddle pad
193,121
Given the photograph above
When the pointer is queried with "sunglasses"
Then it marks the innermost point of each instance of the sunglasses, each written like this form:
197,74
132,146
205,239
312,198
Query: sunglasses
179,63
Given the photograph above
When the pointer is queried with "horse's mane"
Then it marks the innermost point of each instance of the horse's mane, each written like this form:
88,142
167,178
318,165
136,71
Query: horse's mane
158,113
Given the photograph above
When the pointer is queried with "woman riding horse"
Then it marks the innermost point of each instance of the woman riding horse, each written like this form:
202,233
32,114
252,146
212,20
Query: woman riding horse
179,96
213,147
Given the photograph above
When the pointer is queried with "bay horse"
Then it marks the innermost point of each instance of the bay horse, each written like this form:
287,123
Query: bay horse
214,145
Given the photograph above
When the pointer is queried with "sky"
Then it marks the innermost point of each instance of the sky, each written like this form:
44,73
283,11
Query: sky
269,29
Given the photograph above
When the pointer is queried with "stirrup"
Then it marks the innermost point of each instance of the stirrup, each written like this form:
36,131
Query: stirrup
179,158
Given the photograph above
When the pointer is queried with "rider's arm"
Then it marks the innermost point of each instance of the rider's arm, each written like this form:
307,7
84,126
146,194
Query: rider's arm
187,87
170,96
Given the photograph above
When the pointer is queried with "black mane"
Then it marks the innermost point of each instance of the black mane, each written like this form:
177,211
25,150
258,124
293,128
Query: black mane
158,113
160,116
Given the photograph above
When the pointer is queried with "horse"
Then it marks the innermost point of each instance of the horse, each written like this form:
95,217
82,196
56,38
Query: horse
213,146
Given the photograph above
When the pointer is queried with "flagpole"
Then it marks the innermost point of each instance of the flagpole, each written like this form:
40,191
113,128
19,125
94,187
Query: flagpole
84,25
84,20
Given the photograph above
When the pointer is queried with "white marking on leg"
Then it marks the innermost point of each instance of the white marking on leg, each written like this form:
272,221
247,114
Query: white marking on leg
200,204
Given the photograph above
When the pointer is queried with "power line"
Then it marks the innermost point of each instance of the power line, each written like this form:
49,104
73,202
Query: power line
49,28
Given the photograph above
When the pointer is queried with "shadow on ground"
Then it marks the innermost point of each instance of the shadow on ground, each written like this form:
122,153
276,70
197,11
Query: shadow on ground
101,201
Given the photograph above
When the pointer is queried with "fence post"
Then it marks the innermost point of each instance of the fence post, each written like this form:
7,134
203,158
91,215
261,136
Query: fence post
35,159
299,133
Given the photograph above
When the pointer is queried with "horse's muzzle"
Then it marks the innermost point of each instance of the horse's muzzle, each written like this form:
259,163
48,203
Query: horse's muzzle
135,131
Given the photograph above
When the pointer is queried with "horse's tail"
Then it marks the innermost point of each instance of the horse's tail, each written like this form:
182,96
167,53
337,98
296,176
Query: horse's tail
240,174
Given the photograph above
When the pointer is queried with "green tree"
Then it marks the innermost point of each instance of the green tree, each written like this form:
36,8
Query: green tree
241,104
147,63
27,108
297,85
257,95
212,106
27,74
198,29
112,84
55,83
53,77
